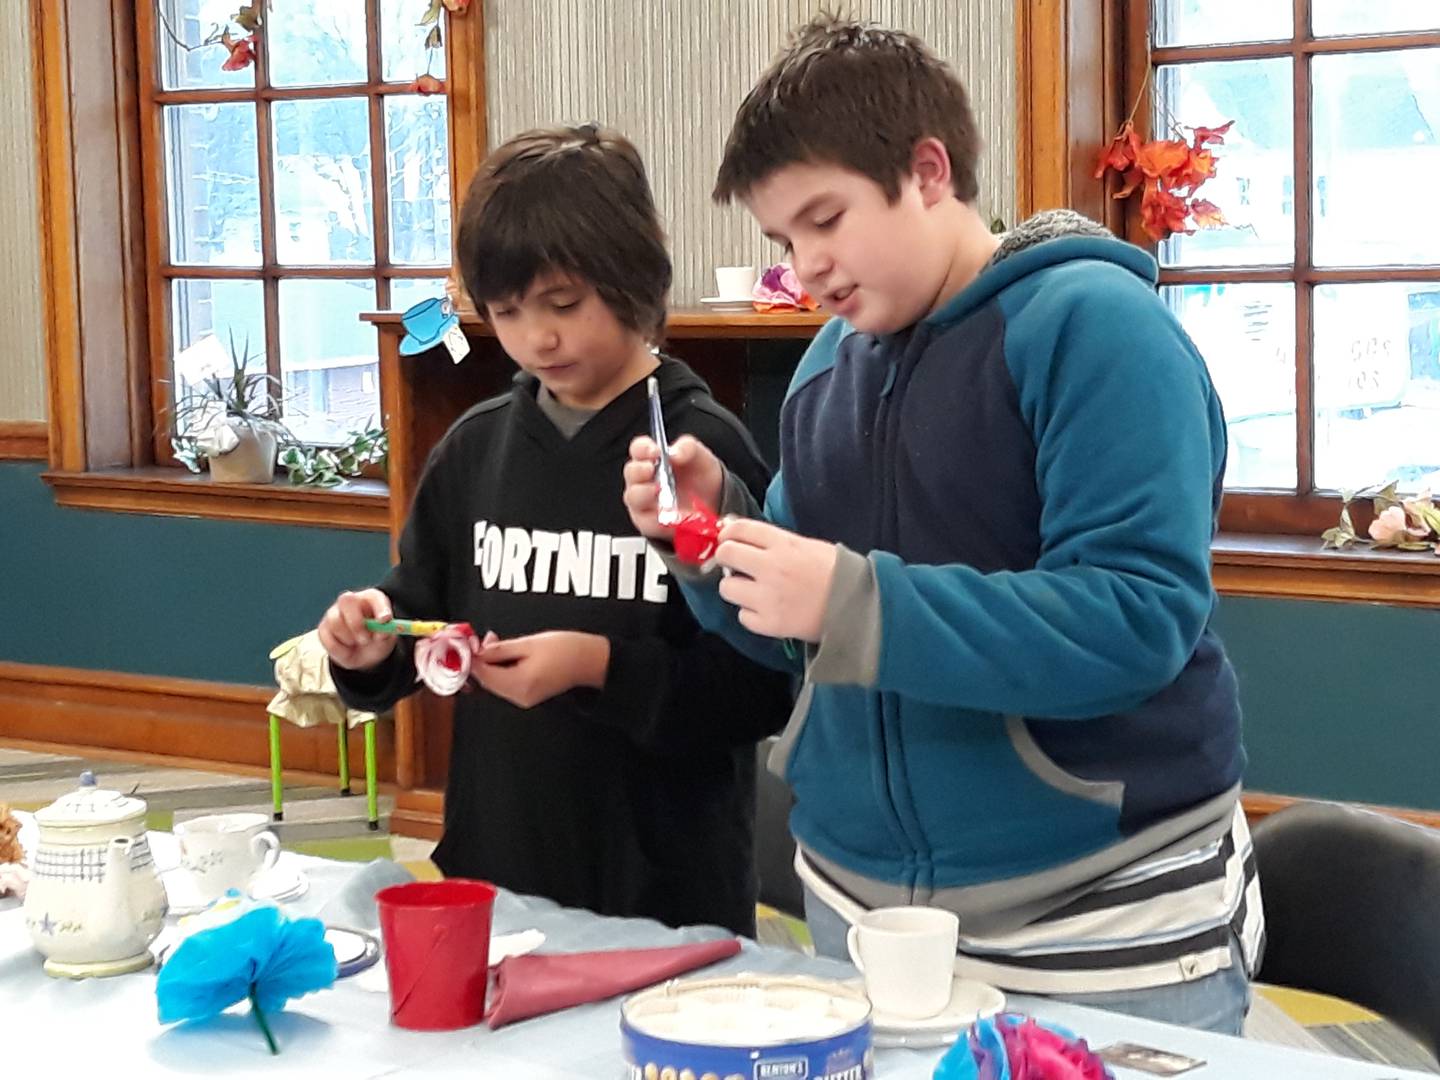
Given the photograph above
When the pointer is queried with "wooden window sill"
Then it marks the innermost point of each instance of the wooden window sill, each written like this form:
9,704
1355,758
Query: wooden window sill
1255,564
355,504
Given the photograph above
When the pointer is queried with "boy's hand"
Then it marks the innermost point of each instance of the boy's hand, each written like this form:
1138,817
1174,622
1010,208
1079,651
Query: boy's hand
781,581
698,475
343,633
528,670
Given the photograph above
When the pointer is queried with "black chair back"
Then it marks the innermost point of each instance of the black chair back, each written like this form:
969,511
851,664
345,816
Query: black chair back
1352,909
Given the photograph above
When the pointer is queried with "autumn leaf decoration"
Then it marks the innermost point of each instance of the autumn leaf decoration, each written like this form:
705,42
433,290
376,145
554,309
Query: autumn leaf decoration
1168,173
241,47
428,84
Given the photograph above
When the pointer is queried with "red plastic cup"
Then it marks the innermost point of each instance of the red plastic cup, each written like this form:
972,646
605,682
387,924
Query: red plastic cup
437,951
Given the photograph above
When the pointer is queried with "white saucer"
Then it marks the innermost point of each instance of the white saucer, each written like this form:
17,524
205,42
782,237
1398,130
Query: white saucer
969,1001
278,884
728,303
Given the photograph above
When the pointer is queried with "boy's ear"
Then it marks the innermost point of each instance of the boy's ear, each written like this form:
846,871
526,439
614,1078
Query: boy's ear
930,165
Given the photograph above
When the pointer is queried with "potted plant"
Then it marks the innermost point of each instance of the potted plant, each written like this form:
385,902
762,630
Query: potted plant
232,421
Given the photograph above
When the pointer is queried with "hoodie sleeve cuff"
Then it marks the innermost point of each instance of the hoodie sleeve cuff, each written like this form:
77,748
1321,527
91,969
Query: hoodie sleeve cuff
376,689
849,649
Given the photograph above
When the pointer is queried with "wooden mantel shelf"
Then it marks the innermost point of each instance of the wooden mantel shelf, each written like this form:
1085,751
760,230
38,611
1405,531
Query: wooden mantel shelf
682,323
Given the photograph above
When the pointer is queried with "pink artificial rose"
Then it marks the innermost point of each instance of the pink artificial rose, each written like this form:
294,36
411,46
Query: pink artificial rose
1391,526
442,660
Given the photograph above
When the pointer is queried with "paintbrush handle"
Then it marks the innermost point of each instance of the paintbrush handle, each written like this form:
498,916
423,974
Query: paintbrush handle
405,627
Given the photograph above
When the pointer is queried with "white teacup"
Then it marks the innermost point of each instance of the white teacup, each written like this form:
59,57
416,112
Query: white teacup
907,955
734,282
225,851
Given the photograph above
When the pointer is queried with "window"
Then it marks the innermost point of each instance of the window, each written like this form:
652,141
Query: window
1318,307
289,196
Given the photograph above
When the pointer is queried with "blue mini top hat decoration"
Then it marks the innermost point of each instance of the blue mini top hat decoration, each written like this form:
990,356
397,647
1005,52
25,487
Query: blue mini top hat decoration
426,325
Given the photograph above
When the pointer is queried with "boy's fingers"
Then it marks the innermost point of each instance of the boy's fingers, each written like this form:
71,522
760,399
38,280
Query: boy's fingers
643,448
741,591
685,450
502,652
742,557
335,626
352,613
760,534
638,472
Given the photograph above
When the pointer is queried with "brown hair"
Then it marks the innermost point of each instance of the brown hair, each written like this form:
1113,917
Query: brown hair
851,94
574,200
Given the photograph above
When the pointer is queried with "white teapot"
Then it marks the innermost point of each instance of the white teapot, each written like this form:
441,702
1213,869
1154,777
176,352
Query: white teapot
95,900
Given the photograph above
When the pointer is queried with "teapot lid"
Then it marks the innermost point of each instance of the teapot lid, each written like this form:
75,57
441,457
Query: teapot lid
90,805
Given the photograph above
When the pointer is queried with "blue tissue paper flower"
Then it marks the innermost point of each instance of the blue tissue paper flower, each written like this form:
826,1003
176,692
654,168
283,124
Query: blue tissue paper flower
261,955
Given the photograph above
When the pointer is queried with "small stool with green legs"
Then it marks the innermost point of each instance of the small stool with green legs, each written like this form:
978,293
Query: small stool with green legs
307,697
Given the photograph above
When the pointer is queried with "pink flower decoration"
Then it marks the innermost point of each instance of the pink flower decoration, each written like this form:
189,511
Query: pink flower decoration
1392,527
442,660
779,287
1015,1047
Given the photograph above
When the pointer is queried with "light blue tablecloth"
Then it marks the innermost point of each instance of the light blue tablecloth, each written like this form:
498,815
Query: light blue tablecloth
63,1028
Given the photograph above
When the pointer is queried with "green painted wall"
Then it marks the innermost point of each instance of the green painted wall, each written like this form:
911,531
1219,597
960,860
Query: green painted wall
1339,698
160,595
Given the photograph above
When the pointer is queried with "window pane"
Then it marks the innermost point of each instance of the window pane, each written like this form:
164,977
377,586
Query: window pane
407,292
1332,17
329,358
212,185
208,316
1254,185
1222,22
316,42
1377,385
403,55
192,21
1377,153
1247,335
418,168
322,182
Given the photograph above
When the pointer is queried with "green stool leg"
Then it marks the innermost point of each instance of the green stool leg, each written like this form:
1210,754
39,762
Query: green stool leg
371,802
344,729
276,785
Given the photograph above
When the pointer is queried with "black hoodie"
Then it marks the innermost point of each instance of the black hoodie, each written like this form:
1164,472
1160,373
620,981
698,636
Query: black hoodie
637,799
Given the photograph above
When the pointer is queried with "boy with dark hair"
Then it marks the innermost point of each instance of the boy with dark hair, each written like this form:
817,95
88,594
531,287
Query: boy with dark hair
609,761
988,552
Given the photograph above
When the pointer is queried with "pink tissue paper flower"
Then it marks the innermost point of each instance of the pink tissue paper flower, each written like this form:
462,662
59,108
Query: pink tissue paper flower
442,660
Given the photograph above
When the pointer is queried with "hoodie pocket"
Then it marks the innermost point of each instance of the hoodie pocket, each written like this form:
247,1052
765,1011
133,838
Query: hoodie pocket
1105,792
783,752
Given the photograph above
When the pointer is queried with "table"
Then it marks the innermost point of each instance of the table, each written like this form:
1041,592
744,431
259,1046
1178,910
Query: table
63,1028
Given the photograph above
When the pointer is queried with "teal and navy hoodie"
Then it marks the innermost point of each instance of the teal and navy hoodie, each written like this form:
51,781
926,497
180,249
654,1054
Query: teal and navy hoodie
1017,692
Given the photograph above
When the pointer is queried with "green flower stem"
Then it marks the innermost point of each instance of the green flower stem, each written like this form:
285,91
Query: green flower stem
260,1019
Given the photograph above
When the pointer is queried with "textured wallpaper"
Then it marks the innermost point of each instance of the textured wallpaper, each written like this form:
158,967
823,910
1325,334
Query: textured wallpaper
670,73
22,364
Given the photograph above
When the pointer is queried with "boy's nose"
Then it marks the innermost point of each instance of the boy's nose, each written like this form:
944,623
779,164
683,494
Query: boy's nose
811,265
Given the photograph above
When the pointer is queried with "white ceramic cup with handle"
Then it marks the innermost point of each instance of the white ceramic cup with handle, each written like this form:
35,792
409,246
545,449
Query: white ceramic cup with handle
225,851
734,282
907,955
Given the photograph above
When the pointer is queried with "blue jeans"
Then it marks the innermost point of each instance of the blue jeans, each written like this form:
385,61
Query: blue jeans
1216,1003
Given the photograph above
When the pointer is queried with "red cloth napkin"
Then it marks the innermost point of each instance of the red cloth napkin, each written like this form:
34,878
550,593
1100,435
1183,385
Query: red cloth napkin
533,985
